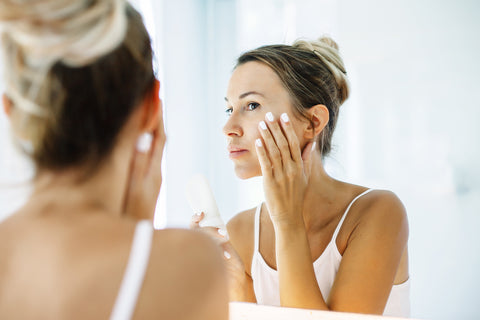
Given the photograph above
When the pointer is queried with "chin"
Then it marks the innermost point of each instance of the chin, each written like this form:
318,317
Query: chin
247,173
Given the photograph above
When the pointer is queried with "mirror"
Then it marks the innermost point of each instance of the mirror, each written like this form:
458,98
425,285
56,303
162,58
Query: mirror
409,125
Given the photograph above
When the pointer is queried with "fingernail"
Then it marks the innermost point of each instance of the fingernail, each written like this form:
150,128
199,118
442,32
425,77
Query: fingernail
226,255
222,232
269,116
258,142
144,142
285,117
263,125
314,144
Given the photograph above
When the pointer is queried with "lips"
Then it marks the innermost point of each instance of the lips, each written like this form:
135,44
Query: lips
235,152
231,148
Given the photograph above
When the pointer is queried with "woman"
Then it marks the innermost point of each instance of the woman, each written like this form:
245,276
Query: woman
316,242
83,104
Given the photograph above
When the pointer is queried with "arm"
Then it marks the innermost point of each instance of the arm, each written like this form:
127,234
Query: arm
372,256
376,242
298,284
369,264
285,174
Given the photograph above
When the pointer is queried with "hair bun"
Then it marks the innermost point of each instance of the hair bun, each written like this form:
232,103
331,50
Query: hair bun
328,41
37,34
326,50
74,32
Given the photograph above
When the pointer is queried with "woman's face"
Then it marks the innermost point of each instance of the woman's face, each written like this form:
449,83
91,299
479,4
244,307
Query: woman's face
254,89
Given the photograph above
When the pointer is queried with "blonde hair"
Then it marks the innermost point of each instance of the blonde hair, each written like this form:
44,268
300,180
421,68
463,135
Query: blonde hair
326,50
313,73
57,51
37,34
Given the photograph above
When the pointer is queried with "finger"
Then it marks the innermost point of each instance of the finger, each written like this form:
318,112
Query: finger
158,145
265,164
223,233
137,169
140,160
228,250
227,255
215,233
279,138
195,220
155,161
230,253
160,116
227,246
270,147
160,130
291,138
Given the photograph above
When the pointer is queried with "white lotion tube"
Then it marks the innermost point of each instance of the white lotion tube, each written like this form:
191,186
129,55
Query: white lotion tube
201,199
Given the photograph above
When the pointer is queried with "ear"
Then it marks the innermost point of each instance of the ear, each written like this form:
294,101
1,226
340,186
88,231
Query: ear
7,104
319,117
150,109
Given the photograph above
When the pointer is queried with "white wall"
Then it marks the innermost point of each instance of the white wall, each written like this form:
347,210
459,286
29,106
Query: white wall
416,82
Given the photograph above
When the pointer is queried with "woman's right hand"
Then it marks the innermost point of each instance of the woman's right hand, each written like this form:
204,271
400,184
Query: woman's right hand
285,170
145,177
233,262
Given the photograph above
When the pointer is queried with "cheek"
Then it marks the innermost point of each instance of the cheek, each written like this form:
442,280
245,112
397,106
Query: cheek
253,133
254,166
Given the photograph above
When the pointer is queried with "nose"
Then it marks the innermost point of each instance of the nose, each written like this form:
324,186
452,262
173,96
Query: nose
232,127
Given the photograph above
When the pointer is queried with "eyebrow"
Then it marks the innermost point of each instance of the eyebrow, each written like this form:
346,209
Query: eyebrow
243,95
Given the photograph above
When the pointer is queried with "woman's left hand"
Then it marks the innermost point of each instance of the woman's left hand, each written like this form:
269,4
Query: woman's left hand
233,263
285,169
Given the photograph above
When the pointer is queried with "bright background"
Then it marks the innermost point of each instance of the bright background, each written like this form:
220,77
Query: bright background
410,124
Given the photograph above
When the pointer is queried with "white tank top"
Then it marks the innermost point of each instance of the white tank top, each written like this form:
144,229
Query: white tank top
134,273
266,284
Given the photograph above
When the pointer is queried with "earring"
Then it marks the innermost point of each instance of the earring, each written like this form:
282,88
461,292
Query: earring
144,142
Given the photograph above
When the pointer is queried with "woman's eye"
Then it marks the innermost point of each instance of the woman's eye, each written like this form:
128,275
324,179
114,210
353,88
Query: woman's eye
252,106
229,111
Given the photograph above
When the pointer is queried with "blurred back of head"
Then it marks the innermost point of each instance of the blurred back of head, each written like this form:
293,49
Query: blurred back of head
74,72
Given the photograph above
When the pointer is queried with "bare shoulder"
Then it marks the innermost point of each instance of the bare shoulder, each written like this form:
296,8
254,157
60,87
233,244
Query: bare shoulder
185,278
373,245
242,222
382,206
79,255
379,211
241,232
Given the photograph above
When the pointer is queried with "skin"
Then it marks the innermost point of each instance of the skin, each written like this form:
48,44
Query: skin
304,205
64,253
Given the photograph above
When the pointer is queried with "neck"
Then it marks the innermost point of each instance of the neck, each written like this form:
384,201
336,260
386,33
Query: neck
102,190
321,194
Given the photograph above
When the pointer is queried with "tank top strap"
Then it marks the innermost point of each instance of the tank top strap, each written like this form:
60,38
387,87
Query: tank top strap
257,229
134,272
334,238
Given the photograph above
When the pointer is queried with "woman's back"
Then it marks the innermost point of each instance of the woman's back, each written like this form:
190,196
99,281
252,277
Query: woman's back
69,265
